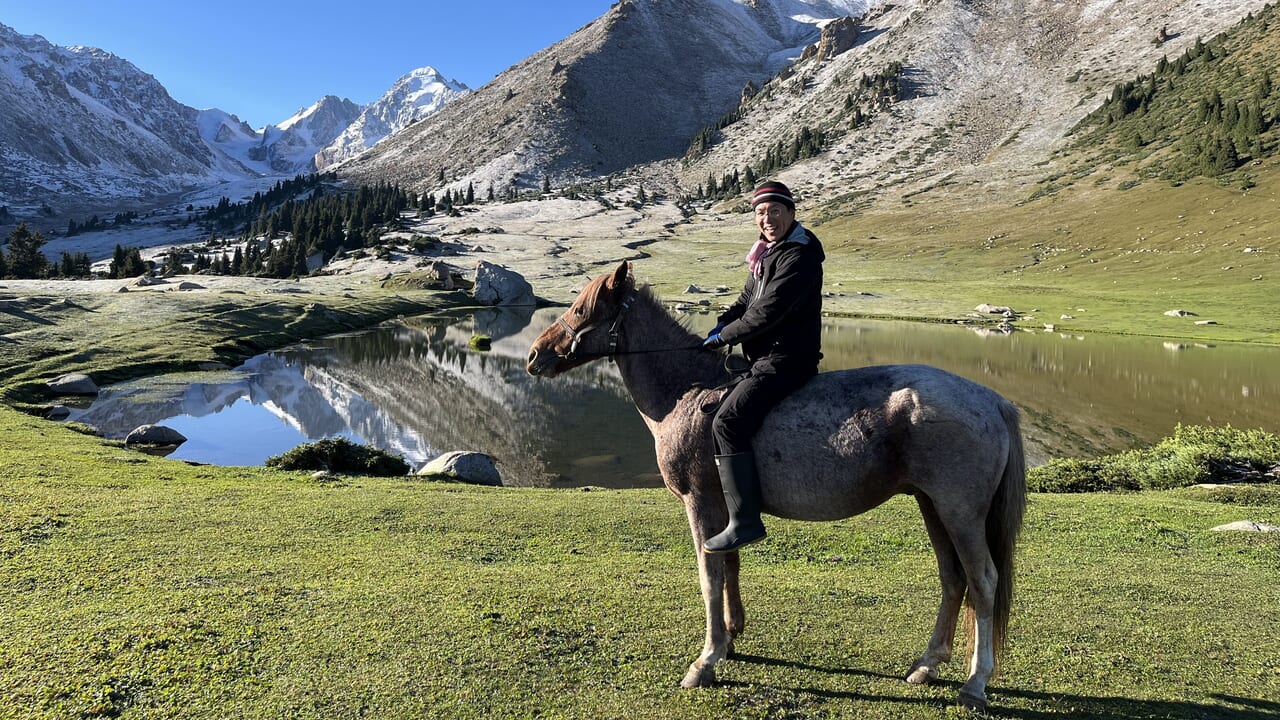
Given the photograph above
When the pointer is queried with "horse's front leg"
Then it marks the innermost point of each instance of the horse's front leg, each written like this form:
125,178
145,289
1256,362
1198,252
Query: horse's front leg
703,523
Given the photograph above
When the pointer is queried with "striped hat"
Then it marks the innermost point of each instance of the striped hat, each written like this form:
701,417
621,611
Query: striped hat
773,192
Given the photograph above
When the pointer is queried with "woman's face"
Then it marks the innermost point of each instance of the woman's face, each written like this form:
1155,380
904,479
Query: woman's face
774,219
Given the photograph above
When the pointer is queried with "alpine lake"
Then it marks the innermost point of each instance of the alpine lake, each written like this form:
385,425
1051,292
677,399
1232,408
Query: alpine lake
417,388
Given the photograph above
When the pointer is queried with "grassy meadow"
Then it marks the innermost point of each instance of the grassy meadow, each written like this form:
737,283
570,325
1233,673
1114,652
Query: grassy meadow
138,587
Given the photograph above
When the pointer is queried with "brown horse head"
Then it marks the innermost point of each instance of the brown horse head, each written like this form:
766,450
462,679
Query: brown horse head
587,329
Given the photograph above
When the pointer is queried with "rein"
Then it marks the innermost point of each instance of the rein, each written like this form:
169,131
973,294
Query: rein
615,331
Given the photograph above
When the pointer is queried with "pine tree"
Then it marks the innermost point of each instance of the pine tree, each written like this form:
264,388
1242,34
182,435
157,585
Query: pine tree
25,258
4,265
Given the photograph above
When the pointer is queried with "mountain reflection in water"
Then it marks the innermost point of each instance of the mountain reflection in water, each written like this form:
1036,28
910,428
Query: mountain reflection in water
414,388
417,389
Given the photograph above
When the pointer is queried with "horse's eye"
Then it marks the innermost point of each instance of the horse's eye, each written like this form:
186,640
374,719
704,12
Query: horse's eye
579,311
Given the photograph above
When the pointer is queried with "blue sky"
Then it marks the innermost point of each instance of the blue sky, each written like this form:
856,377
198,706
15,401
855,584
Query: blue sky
265,60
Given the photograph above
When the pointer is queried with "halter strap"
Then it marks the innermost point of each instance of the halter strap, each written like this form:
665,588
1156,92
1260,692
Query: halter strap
615,330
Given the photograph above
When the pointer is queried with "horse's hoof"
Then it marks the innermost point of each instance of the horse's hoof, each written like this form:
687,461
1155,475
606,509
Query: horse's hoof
922,675
696,678
973,703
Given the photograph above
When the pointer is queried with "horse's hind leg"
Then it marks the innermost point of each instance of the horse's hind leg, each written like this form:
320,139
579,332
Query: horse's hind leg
951,575
970,540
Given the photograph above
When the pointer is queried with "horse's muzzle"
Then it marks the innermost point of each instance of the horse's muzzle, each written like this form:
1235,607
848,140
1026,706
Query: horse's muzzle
541,364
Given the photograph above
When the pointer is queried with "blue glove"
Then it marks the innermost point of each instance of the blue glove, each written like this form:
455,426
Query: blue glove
715,330
714,341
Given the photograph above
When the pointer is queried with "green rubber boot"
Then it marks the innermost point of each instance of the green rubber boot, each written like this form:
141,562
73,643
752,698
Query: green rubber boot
742,495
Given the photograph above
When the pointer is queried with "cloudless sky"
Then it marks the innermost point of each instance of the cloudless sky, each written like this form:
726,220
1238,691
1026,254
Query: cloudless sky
265,60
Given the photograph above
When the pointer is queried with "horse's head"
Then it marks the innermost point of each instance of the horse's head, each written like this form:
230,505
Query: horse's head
588,329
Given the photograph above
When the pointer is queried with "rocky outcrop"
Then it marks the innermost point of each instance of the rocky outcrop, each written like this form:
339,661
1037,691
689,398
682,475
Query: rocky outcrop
496,285
837,37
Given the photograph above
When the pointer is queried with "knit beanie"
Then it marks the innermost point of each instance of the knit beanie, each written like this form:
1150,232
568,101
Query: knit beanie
773,192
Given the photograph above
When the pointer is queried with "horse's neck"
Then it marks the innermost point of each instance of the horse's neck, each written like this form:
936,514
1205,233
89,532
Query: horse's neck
658,380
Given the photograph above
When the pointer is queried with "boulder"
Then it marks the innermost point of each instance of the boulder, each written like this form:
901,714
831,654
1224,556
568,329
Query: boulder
188,285
496,285
73,384
57,412
1179,313
154,435
147,281
474,468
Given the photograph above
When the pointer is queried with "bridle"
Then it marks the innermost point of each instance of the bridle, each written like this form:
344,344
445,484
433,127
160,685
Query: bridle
615,331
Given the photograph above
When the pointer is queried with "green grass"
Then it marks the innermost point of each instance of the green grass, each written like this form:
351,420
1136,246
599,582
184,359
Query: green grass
141,587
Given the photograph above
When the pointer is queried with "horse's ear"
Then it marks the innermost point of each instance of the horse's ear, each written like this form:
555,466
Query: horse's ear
619,278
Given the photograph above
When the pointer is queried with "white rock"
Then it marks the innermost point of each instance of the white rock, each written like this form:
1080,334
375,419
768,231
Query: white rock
1247,526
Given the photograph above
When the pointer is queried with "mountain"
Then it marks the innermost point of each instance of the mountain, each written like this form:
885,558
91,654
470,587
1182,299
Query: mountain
975,97
278,150
415,96
631,87
845,101
83,122
84,131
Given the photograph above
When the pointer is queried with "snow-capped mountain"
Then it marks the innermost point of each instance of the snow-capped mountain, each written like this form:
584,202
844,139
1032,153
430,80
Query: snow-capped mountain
82,122
284,149
418,94
290,146
83,130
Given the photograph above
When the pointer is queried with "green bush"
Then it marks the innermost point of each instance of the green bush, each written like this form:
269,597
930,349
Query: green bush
340,455
1195,454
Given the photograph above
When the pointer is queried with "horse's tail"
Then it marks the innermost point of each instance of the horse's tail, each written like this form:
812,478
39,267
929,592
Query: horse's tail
1004,521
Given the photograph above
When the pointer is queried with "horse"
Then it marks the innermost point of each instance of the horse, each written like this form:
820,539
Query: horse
841,445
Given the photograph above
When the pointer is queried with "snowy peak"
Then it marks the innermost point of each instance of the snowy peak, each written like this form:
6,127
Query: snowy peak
290,146
417,95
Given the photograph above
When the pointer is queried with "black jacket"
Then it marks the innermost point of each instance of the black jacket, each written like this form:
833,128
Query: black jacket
778,316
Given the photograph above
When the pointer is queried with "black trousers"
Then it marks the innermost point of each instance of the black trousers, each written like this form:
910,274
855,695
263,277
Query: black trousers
744,408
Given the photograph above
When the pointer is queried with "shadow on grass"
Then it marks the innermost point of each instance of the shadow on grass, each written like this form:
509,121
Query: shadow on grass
1058,705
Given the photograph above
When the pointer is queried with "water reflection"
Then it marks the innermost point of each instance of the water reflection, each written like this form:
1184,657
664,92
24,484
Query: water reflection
1084,396
416,388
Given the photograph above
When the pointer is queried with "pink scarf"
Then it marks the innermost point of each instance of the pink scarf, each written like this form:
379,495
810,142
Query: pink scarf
756,256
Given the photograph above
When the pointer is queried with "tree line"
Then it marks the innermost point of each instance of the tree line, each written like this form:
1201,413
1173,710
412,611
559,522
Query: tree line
1219,111
26,261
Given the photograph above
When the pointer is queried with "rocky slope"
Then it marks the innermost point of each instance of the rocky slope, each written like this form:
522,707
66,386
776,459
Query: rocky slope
81,121
989,90
632,87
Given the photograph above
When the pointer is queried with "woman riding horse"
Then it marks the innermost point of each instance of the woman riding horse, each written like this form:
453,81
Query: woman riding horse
777,320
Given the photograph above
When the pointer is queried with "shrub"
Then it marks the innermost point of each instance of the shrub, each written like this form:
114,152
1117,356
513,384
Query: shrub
1195,454
340,455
